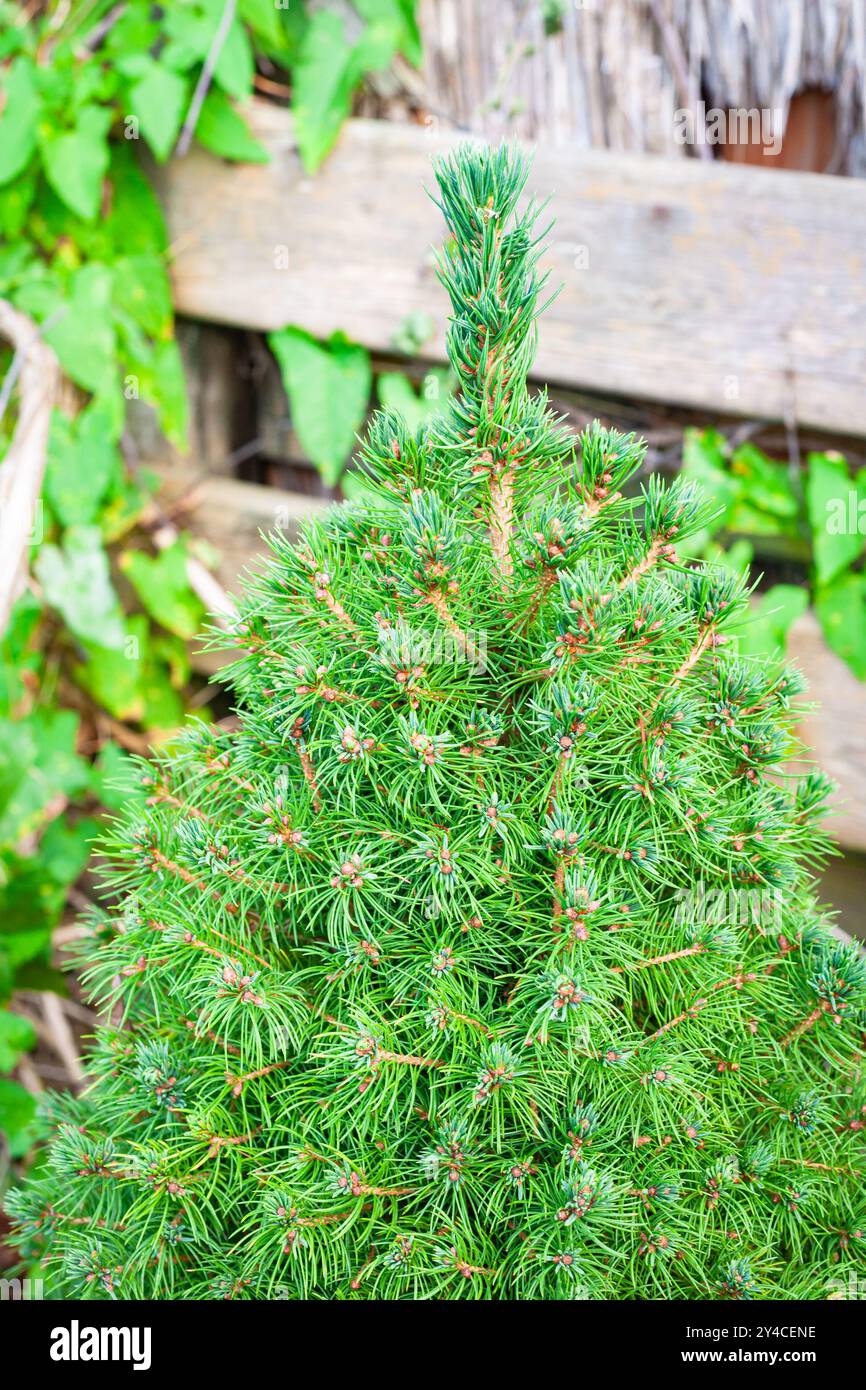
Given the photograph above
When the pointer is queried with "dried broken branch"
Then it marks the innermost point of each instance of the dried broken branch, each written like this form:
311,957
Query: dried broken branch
37,372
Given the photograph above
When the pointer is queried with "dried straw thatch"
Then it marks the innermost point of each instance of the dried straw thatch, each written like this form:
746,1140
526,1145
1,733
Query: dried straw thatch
614,72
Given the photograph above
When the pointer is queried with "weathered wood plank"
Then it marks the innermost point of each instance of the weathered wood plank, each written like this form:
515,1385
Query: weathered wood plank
232,515
608,75
836,731
708,285
210,367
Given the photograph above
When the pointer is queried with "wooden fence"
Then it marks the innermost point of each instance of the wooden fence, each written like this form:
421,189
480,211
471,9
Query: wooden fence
708,285
721,288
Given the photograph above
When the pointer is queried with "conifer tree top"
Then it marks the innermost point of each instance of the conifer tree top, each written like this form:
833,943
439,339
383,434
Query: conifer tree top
482,959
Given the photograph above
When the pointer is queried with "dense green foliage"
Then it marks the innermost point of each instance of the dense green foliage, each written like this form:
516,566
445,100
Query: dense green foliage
106,627
482,959
815,518
84,257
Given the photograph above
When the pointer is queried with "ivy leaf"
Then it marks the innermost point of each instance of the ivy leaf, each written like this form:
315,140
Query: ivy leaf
114,676
76,161
20,660
163,707
133,684
704,460
134,30
836,505
396,392
224,132
38,764
34,894
764,631
159,99
162,585
142,289
84,338
173,653
77,583
736,559
841,610
116,778
398,19
766,483
16,200
20,948
264,17
323,79
33,898
17,1111
235,66
328,68
81,464
161,380
65,849
17,1035
328,386
19,122
135,221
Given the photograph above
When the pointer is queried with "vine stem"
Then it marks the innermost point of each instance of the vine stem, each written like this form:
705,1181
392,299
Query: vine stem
24,465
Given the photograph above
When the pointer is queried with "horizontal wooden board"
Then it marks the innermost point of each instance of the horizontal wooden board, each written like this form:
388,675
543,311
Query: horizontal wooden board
720,287
836,731
232,515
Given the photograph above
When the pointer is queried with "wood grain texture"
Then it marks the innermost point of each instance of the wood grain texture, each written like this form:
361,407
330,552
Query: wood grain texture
607,75
836,731
706,285
37,372
232,515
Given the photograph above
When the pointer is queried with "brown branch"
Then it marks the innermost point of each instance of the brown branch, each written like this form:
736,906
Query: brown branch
439,604
558,878
309,772
656,552
545,584
24,465
408,1061
737,981
323,593
214,1037
502,519
219,1141
705,640
822,1167
806,1023
237,1082
658,960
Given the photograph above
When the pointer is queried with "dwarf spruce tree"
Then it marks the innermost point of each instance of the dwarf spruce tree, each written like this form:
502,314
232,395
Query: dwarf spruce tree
482,959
